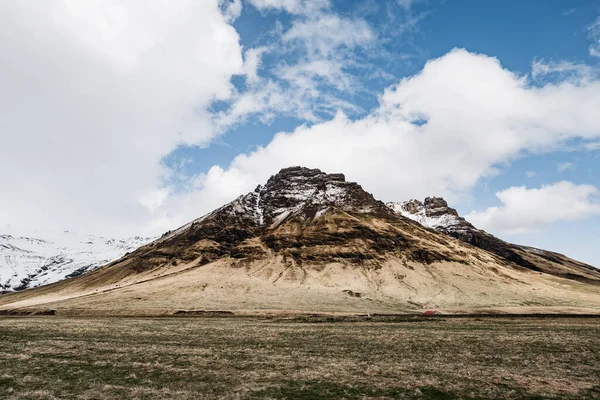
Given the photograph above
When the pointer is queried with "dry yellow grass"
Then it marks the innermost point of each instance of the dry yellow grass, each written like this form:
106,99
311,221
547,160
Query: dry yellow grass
271,284
241,358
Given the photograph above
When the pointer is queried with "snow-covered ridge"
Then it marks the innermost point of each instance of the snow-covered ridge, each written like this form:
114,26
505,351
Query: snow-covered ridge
433,213
49,257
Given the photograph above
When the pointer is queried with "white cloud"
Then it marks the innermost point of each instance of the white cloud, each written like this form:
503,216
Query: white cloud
478,115
252,63
317,82
527,210
531,174
592,146
153,200
406,3
232,9
564,71
327,41
594,35
94,95
402,19
304,7
328,33
564,166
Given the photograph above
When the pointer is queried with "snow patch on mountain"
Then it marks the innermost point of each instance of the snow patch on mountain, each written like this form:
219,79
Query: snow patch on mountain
421,216
433,213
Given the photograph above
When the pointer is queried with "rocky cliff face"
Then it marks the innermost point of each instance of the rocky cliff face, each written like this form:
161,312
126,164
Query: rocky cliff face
435,213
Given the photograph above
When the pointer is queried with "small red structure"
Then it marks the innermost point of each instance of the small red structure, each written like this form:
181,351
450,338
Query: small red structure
431,312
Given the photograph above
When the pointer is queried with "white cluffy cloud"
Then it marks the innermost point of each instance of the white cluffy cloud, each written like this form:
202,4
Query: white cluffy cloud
94,95
527,210
232,9
477,115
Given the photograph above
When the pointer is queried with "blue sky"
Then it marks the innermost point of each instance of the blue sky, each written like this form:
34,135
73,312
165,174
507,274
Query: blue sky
517,33
145,116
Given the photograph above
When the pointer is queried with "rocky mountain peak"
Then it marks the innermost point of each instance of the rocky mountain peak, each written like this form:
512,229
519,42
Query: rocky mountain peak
433,212
411,206
292,192
296,175
299,190
437,206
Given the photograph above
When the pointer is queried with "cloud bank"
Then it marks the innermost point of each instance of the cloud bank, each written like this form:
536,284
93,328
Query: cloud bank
94,95
528,210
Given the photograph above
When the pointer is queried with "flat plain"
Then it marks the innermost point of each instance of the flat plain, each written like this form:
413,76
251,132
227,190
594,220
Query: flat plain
299,358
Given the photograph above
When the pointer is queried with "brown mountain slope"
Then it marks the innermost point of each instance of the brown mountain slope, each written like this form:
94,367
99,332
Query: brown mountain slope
435,213
307,242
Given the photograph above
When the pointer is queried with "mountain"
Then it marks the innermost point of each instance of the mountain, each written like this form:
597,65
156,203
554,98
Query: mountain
27,262
307,241
435,213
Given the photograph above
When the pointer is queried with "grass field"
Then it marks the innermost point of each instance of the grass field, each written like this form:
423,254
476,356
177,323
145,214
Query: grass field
236,358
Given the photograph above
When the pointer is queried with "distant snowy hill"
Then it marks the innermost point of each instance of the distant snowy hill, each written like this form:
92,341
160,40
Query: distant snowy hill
29,260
